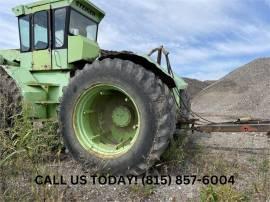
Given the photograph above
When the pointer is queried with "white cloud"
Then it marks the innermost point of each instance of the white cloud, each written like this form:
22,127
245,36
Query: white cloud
212,70
208,34
9,37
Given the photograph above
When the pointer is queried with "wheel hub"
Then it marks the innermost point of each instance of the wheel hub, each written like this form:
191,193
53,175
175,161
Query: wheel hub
121,116
106,120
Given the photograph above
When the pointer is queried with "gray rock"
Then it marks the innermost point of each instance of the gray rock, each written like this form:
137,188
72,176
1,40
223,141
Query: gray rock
243,92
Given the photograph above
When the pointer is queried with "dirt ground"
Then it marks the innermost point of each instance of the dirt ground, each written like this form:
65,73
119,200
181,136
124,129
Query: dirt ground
240,155
244,156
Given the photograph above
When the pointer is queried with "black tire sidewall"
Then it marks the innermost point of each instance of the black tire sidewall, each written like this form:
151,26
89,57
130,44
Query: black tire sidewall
139,93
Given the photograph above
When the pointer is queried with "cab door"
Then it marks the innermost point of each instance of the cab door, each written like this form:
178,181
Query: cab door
41,41
59,30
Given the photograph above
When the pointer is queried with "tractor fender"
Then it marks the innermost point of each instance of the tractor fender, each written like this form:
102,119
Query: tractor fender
10,57
147,63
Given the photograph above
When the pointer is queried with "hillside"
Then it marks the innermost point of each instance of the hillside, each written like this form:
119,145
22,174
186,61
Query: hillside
195,86
243,92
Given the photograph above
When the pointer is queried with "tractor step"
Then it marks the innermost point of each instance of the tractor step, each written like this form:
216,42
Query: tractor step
48,102
42,84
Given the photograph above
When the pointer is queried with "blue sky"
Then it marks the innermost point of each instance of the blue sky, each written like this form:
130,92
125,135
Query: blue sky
206,38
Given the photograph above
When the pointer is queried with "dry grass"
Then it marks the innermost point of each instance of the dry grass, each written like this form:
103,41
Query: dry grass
252,179
177,157
222,194
28,151
142,192
24,150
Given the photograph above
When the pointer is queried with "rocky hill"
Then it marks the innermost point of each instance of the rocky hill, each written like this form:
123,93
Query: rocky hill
243,92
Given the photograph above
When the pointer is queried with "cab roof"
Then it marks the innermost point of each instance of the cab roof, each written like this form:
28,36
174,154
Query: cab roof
84,6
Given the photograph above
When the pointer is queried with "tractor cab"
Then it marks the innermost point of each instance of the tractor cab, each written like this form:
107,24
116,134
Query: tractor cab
54,34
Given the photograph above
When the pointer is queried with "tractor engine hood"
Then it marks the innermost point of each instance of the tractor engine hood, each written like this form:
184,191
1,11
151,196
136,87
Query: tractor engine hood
10,57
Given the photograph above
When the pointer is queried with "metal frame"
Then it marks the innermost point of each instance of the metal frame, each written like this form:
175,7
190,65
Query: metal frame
241,125
161,50
237,126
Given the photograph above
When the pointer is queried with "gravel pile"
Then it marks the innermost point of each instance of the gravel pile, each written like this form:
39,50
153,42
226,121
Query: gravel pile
243,92
195,86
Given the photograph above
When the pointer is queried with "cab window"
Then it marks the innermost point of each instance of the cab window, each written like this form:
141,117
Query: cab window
41,39
82,25
59,27
24,26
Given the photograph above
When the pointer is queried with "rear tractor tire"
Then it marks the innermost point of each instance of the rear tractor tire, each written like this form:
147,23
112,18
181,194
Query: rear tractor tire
10,100
117,117
185,105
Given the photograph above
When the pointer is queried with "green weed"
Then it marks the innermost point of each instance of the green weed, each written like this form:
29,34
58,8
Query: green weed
142,191
221,194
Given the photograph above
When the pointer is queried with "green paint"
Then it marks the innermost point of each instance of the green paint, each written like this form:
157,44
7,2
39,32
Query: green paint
9,57
84,6
121,116
31,94
180,83
38,88
81,49
92,11
42,60
26,60
106,120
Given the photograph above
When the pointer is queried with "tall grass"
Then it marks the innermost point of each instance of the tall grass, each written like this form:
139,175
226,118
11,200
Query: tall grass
24,151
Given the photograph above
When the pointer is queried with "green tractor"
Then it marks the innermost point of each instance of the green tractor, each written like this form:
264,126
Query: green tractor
116,110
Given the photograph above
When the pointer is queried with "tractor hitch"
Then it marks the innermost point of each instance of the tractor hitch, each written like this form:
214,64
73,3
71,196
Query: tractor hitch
241,125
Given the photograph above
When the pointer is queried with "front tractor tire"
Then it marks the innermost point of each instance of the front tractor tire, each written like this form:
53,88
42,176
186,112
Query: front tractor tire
117,117
10,100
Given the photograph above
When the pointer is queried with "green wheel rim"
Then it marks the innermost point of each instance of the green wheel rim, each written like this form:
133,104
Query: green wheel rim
106,121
